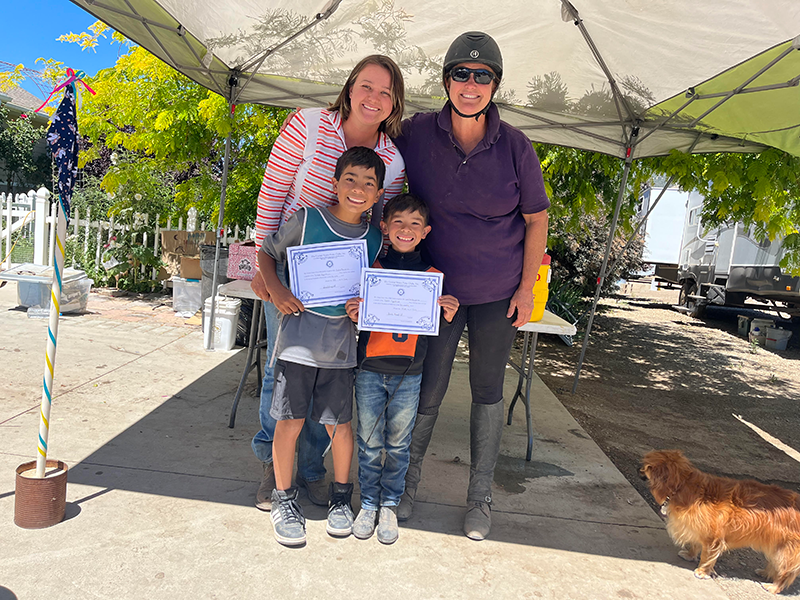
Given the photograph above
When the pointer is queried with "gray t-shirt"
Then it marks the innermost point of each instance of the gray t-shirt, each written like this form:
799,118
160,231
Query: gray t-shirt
312,339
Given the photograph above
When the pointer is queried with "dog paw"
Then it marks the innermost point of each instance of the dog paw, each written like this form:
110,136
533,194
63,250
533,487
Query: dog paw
701,574
772,588
686,555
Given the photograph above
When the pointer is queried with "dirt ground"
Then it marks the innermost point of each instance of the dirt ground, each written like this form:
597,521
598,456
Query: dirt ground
654,378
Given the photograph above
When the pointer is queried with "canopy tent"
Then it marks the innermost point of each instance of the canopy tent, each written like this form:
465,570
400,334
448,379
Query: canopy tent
631,79
660,66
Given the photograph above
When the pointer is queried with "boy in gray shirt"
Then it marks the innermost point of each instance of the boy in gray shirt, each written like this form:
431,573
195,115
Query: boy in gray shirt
316,348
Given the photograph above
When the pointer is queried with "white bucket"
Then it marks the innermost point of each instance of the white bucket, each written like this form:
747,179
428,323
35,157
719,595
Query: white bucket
226,318
777,338
762,324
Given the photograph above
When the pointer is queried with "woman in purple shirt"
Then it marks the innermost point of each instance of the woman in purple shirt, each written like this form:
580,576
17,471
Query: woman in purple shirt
483,183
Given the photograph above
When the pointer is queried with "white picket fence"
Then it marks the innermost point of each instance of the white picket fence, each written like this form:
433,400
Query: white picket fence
35,212
31,212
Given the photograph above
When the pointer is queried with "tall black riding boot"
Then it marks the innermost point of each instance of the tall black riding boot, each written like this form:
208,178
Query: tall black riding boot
485,428
420,438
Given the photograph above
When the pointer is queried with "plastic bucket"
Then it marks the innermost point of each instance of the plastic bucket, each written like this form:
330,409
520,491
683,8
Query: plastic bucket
207,254
777,338
226,318
541,290
762,324
185,295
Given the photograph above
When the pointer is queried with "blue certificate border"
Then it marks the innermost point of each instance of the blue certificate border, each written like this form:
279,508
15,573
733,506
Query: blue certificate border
294,257
429,327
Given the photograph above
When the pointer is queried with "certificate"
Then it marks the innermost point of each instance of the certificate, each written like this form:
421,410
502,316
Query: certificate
326,274
400,301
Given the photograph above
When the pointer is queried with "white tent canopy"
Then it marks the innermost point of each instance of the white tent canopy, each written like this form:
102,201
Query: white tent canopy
584,74
629,78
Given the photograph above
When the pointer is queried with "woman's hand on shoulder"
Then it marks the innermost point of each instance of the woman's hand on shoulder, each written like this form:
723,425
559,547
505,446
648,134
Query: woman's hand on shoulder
351,307
288,120
449,306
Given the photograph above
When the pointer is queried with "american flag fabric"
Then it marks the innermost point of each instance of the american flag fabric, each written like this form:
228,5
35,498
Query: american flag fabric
62,139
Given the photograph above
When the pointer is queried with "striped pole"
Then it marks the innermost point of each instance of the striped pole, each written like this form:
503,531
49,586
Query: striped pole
52,336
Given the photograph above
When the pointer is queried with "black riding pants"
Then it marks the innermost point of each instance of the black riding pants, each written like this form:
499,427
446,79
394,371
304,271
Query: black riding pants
491,334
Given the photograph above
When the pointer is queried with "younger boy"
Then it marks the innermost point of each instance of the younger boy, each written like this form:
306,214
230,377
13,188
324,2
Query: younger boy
316,348
388,380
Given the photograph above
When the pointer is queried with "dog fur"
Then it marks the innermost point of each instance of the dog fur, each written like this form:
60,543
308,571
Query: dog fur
709,515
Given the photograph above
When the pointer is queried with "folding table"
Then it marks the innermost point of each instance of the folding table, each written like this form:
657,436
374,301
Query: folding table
240,288
549,323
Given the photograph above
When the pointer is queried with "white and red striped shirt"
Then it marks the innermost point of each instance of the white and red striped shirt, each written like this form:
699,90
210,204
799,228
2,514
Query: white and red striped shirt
279,197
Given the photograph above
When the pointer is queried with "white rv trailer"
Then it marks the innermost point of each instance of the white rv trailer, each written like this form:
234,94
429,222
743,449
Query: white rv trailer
722,266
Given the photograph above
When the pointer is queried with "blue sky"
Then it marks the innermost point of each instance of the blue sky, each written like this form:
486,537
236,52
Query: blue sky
32,27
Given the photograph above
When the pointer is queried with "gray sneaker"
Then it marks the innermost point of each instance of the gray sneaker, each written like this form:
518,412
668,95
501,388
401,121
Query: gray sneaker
264,493
364,526
287,518
388,531
317,490
340,514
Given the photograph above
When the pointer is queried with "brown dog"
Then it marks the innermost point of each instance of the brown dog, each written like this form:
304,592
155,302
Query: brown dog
710,515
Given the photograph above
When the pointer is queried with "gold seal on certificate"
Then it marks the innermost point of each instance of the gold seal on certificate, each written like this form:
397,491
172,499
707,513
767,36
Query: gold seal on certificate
400,301
326,274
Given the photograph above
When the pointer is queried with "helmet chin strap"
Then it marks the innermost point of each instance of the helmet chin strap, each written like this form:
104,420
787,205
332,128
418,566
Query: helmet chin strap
477,115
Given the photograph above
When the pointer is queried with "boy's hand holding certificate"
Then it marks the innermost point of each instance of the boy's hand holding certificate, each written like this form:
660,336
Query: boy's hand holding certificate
326,274
400,301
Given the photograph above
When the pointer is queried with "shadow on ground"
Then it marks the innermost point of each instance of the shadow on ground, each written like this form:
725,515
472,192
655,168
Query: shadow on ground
184,449
655,379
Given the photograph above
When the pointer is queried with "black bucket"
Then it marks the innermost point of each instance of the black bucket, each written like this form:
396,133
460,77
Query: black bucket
245,318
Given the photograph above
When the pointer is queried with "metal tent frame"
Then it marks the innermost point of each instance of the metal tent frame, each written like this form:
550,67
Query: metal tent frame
233,85
659,128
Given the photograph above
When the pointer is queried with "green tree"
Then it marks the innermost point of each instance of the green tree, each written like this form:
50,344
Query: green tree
577,254
758,189
168,135
24,166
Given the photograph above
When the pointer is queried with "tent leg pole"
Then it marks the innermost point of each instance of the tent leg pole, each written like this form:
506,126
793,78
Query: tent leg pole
652,208
632,237
602,277
209,335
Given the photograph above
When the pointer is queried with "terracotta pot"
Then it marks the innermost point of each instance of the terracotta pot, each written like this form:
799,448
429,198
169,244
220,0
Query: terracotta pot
40,503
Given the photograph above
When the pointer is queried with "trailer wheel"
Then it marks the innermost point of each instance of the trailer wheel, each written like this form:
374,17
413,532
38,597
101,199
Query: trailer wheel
696,309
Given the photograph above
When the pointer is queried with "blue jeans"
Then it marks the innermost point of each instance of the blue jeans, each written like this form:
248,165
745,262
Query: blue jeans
383,485
314,437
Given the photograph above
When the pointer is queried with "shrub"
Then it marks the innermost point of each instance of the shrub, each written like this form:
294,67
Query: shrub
577,254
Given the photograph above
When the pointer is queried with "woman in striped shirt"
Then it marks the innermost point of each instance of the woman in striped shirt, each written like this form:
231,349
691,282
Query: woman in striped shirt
299,173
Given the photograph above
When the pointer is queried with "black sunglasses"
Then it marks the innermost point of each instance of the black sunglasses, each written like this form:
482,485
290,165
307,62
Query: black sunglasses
482,76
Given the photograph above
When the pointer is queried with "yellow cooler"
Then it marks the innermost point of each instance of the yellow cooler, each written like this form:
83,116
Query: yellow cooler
540,289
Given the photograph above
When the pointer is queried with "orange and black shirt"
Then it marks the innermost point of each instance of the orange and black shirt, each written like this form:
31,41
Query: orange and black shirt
392,353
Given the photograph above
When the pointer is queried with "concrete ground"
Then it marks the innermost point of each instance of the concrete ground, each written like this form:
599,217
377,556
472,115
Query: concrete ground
160,493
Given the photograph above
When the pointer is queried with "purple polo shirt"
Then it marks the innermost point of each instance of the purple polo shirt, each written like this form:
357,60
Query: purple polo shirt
476,202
